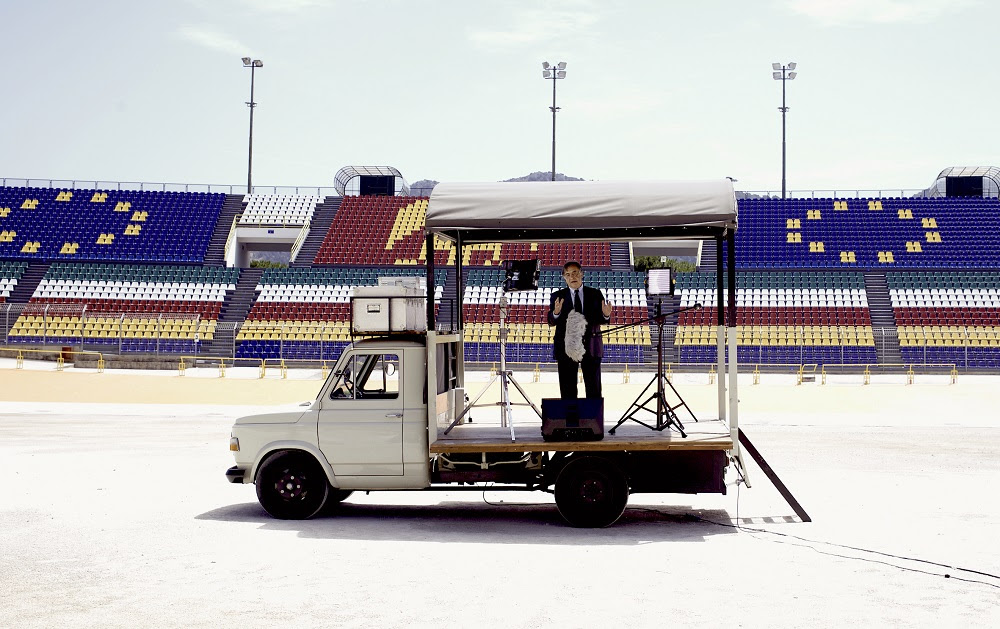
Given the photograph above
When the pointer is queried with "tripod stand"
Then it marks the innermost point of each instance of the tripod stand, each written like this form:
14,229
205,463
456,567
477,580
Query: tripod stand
666,414
505,377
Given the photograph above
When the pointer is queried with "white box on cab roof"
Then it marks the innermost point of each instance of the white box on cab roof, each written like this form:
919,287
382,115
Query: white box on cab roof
388,308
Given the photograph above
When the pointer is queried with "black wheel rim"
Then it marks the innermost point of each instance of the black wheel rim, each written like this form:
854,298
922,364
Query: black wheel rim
292,485
593,490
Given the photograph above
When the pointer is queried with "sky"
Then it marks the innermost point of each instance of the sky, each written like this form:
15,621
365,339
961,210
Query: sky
888,92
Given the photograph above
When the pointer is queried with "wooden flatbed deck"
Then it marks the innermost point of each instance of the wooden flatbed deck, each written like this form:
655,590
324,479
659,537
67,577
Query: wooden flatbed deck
702,435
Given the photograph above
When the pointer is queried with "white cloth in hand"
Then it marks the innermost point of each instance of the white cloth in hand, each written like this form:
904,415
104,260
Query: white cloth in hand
576,326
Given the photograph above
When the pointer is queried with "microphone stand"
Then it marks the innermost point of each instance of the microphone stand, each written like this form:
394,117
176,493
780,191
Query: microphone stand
666,414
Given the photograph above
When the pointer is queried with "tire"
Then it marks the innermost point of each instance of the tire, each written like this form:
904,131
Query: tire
591,492
292,486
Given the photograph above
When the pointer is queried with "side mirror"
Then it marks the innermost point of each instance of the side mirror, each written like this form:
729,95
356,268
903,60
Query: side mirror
390,369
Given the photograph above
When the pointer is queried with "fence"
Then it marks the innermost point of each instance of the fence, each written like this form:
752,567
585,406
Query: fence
174,333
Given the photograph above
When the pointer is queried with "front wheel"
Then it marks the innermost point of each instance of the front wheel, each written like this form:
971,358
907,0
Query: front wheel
292,486
591,492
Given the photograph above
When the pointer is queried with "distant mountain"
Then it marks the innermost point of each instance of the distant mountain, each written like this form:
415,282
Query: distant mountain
422,188
544,176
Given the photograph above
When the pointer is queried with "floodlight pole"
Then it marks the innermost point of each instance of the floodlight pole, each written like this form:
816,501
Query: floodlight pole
554,109
784,74
253,64
556,70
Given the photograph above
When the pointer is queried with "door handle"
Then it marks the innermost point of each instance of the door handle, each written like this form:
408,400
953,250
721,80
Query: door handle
394,414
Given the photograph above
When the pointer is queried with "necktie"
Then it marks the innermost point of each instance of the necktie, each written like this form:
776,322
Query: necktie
576,301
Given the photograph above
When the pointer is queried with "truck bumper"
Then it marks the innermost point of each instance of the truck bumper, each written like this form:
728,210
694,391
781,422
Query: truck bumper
235,475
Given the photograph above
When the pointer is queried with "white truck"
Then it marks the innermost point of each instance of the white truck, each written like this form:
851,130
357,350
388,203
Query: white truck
391,414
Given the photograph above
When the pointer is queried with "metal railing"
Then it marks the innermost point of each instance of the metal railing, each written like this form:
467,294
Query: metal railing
330,337
89,184
231,238
299,241
331,191
848,193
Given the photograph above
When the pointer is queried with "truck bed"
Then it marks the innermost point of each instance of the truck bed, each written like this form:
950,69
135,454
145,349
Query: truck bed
476,437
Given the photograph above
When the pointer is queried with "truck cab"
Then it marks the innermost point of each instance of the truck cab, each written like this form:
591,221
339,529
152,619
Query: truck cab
366,429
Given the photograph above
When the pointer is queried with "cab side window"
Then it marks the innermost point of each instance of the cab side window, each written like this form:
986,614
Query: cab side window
368,376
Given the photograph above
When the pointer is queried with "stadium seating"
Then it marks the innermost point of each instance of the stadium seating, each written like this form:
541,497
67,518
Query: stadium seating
279,210
783,317
131,308
801,298
390,231
868,233
305,313
947,317
41,224
10,273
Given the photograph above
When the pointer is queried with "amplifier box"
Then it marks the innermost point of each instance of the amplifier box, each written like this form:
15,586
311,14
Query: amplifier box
581,419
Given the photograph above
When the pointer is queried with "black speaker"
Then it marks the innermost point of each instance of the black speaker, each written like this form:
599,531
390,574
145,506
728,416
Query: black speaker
579,419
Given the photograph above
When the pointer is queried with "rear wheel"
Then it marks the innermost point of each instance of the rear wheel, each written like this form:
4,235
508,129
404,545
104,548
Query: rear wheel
292,486
591,492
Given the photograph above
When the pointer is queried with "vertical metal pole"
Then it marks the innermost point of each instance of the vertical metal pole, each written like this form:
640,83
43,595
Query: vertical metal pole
554,76
459,286
430,283
783,110
720,326
250,151
733,332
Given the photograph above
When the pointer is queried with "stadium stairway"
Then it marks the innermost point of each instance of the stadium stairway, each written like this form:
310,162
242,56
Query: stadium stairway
621,256
215,255
26,285
318,227
708,262
445,311
880,307
29,281
234,311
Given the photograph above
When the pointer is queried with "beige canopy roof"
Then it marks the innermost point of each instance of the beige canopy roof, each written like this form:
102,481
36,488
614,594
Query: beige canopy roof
582,209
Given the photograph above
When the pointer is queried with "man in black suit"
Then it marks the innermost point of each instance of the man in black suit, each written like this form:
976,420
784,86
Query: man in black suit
589,302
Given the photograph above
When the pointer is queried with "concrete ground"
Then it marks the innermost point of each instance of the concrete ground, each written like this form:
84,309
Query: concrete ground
114,512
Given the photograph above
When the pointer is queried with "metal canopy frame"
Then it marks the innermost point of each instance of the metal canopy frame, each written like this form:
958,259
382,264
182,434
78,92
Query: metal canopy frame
346,174
724,237
726,336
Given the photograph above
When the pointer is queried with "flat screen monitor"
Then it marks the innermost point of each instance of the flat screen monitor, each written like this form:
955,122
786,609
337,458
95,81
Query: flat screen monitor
660,281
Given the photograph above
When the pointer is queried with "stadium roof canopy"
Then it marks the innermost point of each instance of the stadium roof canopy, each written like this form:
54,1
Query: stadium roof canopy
348,173
582,210
990,175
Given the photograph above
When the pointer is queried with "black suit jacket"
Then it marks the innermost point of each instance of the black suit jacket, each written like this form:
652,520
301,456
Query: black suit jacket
593,298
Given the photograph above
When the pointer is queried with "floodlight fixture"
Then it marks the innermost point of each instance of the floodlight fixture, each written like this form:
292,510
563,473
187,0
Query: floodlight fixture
784,74
554,71
253,64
